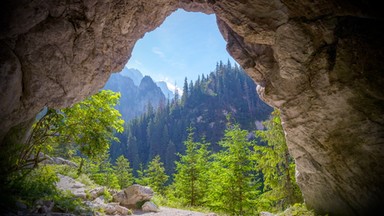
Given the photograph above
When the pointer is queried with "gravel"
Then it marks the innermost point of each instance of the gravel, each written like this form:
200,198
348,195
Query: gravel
164,211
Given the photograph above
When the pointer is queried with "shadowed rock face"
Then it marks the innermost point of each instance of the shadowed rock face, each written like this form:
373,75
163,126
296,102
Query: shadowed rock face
319,62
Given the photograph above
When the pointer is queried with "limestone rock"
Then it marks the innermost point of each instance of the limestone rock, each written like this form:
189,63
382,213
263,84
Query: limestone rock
96,192
68,183
108,208
132,195
266,214
149,207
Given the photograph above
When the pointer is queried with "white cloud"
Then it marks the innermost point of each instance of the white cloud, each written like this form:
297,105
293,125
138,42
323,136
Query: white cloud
173,88
158,52
138,62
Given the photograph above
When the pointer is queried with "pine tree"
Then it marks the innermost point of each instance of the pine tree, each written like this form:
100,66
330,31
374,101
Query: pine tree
280,188
185,91
123,171
190,179
154,176
234,185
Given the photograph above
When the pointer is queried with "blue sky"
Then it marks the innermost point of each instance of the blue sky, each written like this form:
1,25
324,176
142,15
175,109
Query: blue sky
187,44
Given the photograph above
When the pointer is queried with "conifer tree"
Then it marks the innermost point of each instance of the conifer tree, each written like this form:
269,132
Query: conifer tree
280,188
234,185
123,171
185,91
154,176
190,179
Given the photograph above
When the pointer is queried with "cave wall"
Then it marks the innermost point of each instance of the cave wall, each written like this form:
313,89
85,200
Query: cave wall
319,62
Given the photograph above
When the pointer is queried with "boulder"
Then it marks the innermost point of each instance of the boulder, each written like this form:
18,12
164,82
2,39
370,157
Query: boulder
150,207
108,208
96,192
68,183
132,195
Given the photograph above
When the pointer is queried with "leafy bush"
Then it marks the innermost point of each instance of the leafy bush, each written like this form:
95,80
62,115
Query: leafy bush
38,184
106,179
65,201
65,170
83,178
107,196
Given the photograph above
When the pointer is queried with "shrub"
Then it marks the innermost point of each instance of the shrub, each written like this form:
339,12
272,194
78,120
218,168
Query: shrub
298,209
38,184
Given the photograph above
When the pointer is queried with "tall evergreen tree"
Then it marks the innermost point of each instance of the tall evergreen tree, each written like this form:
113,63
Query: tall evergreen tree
185,91
154,176
280,188
191,179
123,171
234,185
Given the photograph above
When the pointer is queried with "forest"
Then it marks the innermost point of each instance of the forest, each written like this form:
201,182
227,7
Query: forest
203,105
202,150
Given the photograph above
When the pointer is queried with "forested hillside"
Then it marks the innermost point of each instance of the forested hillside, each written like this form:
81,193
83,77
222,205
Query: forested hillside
204,106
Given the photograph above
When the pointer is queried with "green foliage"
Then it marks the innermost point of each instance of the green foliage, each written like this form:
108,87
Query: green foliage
298,209
65,201
161,200
66,170
154,176
123,172
234,185
107,196
87,127
163,131
108,179
191,179
38,184
86,180
91,124
278,168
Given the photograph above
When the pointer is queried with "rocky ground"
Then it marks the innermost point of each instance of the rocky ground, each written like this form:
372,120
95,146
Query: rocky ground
164,211
78,189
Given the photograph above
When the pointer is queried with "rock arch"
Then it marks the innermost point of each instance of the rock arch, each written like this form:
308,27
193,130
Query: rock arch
320,62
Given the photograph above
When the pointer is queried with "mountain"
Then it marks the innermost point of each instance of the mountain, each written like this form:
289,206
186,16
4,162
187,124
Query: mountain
134,99
204,105
150,94
132,73
164,88
137,76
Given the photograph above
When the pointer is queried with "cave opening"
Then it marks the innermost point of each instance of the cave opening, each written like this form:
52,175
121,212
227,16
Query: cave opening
187,50
316,61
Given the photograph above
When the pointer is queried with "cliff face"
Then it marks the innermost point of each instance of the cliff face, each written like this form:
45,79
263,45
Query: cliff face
320,62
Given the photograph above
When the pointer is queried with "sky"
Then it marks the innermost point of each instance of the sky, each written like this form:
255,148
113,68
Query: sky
187,44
